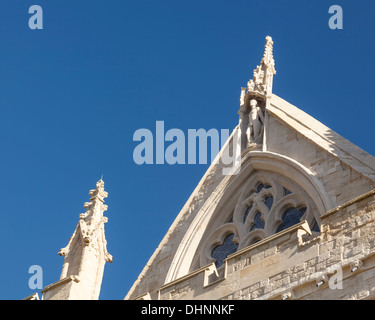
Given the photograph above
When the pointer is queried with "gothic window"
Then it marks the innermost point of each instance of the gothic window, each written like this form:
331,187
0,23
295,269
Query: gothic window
268,203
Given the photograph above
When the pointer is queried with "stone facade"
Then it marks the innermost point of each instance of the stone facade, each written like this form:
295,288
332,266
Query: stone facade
299,215
291,263
295,220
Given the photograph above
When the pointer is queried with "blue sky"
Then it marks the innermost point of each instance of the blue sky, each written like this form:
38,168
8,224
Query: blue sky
73,94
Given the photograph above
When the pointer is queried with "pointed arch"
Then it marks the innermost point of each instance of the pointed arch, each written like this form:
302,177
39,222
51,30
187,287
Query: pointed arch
230,195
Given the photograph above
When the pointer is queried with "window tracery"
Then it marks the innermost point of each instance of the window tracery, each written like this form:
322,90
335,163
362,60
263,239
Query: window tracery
268,203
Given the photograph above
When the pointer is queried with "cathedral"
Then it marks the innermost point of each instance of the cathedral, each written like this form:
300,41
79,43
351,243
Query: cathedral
294,220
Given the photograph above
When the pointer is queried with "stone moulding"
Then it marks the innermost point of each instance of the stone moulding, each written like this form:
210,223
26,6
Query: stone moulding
61,282
308,286
255,160
207,270
209,275
302,226
33,296
349,203
351,263
322,136
297,172
328,168
183,212
145,296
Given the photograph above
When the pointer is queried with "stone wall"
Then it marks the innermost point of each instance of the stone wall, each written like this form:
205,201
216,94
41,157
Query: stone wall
341,179
290,264
154,274
343,170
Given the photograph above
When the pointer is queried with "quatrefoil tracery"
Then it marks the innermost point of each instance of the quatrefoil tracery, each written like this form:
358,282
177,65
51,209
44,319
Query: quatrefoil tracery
271,204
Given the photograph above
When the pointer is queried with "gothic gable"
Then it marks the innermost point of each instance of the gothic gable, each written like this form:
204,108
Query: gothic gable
293,170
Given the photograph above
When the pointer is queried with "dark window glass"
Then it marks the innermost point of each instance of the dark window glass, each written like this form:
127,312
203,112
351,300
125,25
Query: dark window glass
268,201
315,227
291,217
258,222
262,186
221,252
286,192
255,240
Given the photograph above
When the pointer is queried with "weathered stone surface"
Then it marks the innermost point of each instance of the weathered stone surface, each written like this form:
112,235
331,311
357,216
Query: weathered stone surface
318,168
85,255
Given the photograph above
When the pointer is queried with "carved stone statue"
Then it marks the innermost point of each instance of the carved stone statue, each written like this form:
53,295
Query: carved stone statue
256,120
258,91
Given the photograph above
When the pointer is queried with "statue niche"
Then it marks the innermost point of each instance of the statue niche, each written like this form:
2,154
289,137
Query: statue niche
251,122
253,100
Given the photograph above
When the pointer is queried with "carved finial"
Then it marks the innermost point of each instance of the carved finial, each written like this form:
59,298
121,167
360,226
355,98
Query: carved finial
253,99
99,191
268,54
100,185
261,83
86,252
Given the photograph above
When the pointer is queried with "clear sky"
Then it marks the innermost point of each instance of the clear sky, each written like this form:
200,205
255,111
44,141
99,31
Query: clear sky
73,94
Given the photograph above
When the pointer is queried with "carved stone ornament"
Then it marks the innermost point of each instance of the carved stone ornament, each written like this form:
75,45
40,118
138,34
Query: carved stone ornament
90,227
253,99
